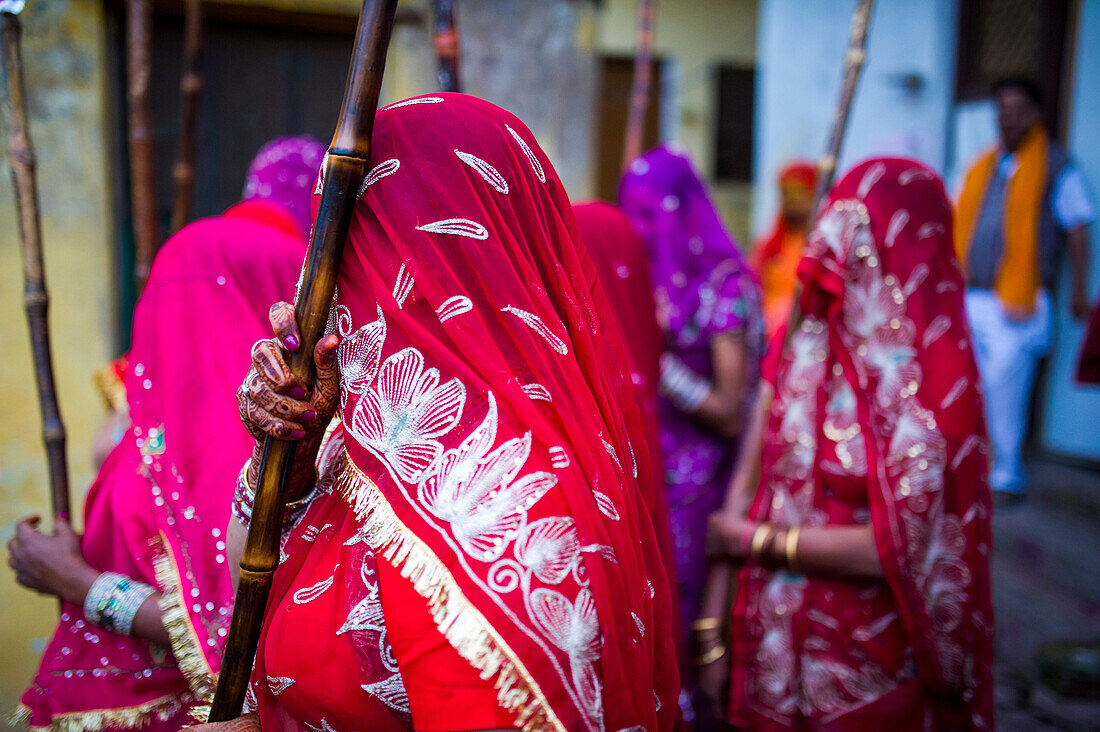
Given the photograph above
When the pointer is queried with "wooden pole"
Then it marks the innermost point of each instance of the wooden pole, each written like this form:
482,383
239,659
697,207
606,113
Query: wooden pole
826,166
139,23
639,89
445,40
345,168
35,296
183,173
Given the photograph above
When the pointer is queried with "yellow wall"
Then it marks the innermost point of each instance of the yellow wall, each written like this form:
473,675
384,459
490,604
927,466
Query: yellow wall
699,35
64,56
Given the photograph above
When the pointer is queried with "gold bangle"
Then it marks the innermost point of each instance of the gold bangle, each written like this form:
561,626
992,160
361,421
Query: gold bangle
759,538
705,659
707,624
791,550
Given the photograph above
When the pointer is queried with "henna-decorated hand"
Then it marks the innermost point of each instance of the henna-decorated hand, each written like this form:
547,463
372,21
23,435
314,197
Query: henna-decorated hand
275,402
50,563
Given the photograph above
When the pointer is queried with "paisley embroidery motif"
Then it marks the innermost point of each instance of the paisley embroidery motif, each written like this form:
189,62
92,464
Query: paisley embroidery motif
535,164
457,227
490,174
453,306
377,173
536,324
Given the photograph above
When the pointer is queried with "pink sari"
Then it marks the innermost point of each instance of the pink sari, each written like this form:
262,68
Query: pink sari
877,419
485,557
158,509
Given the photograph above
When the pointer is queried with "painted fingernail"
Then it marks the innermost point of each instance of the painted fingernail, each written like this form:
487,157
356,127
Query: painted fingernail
291,343
309,416
297,434
298,393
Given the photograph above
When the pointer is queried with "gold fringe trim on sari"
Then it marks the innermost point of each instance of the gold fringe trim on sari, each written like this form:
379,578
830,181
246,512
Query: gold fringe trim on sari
96,719
185,642
460,622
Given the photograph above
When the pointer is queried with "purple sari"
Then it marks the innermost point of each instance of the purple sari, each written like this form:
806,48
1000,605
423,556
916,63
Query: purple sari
703,288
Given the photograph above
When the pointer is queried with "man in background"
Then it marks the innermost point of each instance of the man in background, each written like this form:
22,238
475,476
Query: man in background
1023,202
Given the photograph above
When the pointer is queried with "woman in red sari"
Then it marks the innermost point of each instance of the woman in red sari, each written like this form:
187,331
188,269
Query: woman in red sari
145,592
865,602
479,553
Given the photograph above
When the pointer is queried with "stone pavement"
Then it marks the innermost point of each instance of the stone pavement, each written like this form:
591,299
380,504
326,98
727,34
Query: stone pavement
1046,586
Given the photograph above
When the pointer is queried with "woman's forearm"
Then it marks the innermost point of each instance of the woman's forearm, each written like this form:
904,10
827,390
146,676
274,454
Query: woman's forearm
830,551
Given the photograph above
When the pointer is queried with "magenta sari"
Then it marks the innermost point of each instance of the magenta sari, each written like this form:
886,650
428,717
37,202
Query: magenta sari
158,509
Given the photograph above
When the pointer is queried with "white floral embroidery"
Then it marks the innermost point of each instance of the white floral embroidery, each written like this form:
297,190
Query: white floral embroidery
457,227
939,325
575,628
535,164
391,692
549,547
279,684
453,306
479,492
491,175
536,324
367,613
360,352
400,418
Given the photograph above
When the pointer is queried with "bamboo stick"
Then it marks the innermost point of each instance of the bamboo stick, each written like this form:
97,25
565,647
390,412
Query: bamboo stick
345,168
639,89
445,39
35,296
183,173
854,59
139,23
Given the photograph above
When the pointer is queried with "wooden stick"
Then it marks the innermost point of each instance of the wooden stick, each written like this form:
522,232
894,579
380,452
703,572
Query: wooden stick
639,90
190,86
139,23
445,40
344,169
826,166
35,296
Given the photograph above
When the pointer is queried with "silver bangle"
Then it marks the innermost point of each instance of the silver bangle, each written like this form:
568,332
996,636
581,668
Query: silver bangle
682,386
113,601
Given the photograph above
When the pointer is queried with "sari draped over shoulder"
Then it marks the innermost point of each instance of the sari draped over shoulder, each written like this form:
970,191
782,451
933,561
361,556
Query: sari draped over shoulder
484,556
877,419
159,506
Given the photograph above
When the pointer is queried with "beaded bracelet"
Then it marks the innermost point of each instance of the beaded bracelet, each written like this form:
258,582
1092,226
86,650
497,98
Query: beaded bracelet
244,497
244,500
113,601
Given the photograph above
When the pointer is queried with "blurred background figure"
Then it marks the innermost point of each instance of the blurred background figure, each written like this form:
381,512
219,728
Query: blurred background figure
775,257
149,575
708,306
1023,202
866,602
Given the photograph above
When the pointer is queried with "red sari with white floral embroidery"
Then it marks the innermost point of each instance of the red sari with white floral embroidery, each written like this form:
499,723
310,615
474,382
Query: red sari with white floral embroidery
484,556
877,418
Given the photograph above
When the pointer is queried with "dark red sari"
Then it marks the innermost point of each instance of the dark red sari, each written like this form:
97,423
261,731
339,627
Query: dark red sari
876,419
